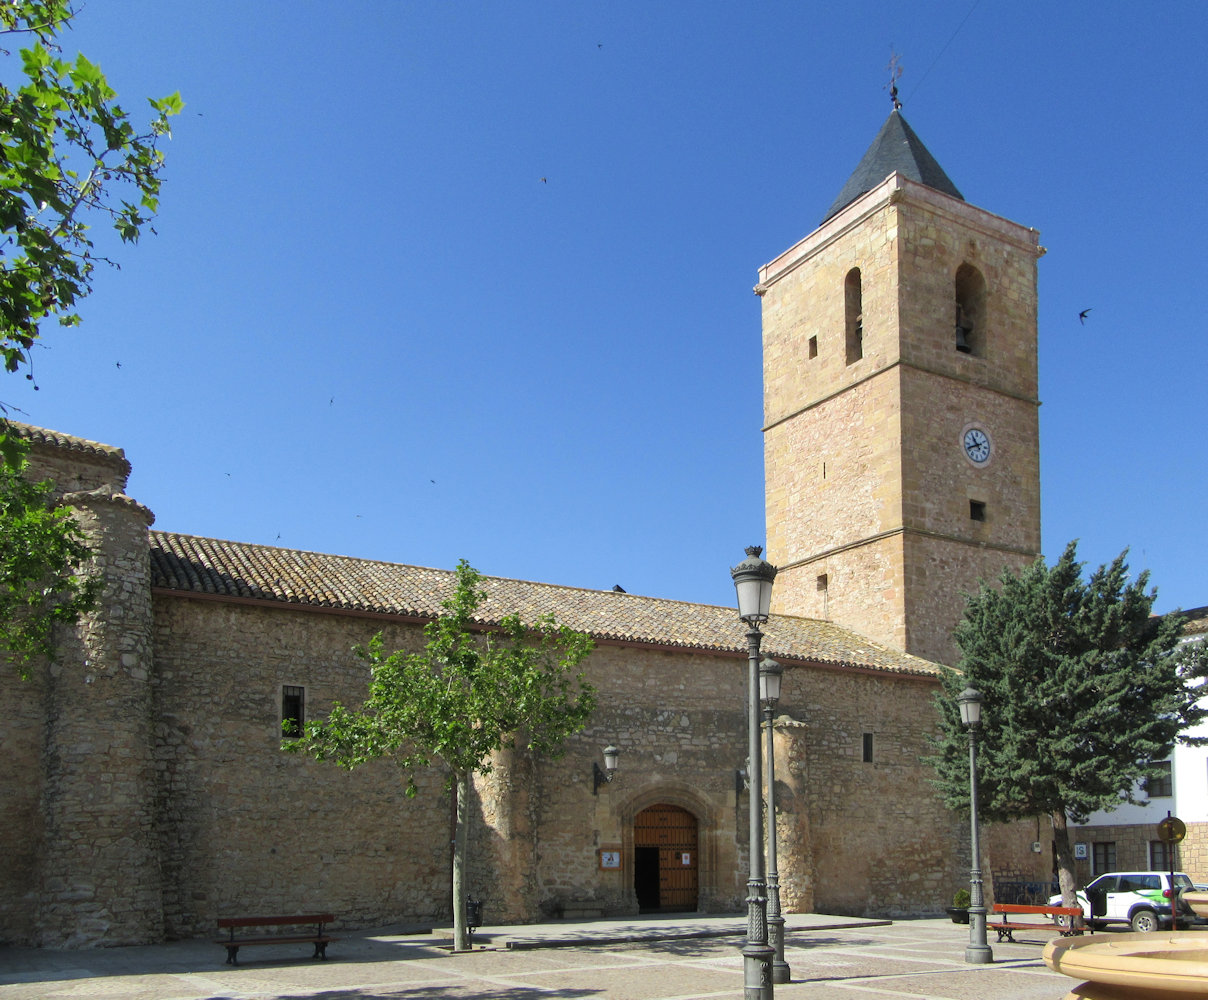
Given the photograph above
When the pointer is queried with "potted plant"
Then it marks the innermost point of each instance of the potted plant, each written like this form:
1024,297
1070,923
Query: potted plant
959,910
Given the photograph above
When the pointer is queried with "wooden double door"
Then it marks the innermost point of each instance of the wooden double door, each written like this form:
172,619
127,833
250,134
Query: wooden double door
666,863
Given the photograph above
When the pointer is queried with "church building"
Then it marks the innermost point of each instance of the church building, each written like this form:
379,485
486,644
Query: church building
146,793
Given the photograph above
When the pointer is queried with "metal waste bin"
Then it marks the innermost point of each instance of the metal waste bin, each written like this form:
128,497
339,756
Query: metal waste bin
473,913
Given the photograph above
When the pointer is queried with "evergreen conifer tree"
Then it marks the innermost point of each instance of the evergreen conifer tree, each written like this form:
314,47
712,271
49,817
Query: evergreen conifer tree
1083,689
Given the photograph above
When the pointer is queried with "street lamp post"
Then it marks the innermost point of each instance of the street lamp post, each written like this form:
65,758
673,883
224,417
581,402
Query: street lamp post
770,674
977,952
753,581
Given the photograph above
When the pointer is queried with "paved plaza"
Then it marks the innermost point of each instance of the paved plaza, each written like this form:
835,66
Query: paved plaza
682,958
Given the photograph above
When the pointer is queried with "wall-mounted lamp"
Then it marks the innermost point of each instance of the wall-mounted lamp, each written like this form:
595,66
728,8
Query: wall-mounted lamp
603,777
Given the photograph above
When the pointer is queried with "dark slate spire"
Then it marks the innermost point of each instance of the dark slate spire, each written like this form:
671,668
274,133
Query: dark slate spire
896,147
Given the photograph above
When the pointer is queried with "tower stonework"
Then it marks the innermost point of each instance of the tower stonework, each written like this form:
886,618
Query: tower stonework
94,877
901,440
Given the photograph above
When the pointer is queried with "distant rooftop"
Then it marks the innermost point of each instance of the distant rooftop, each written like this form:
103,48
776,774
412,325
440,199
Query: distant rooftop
895,149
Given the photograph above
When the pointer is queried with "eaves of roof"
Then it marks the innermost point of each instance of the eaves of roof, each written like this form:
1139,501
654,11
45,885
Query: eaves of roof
209,568
40,438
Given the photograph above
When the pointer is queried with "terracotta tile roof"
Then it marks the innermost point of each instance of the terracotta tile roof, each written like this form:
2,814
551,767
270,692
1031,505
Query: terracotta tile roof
57,440
188,564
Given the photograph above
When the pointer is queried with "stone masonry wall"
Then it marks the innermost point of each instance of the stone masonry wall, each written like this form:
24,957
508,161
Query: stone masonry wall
82,862
862,837
678,720
100,877
248,828
22,738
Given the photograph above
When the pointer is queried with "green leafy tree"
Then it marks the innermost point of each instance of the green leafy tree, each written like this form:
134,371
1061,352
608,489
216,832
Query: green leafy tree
469,693
42,555
1084,693
69,155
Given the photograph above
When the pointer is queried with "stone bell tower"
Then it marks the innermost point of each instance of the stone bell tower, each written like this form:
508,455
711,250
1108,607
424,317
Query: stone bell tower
901,441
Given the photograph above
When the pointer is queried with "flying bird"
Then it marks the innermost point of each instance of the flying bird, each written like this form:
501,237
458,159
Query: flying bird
544,181
1082,316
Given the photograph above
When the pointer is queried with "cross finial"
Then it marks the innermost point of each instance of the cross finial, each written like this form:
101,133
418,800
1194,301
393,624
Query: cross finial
895,71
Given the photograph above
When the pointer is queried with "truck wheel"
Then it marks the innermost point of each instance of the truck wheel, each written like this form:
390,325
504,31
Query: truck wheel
1144,921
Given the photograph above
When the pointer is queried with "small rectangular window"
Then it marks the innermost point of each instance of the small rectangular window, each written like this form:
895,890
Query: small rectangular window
1161,785
1159,856
977,510
868,748
813,347
293,710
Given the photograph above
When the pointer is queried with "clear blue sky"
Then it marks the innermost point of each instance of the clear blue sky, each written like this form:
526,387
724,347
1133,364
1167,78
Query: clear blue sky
441,280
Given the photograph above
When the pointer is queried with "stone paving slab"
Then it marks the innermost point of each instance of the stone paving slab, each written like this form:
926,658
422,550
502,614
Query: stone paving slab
667,960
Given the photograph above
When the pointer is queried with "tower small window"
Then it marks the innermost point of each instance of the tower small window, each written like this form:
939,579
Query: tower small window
970,294
868,748
853,299
977,510
293,710
813,347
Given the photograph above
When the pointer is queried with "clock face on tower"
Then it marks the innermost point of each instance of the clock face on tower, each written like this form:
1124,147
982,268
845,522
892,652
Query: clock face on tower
977,445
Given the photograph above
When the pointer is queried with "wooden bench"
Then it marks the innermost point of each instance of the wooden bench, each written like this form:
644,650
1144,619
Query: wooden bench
1006,928
313,921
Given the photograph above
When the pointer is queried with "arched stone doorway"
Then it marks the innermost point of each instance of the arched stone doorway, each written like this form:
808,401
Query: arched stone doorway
666,861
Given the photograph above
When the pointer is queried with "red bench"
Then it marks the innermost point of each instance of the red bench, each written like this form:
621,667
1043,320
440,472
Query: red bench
313,935
1071,924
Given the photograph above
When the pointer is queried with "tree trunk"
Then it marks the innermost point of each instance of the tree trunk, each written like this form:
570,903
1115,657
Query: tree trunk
1065,859
461,793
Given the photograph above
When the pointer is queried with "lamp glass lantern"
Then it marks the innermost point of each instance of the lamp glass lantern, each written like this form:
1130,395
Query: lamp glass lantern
753,580
970,701
770,675
604,777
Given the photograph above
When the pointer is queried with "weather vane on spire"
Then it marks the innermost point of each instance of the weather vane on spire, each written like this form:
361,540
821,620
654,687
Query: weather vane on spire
895,71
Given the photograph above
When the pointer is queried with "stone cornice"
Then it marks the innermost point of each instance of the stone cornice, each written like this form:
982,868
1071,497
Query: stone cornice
904,530
894,190
105,496
899,363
